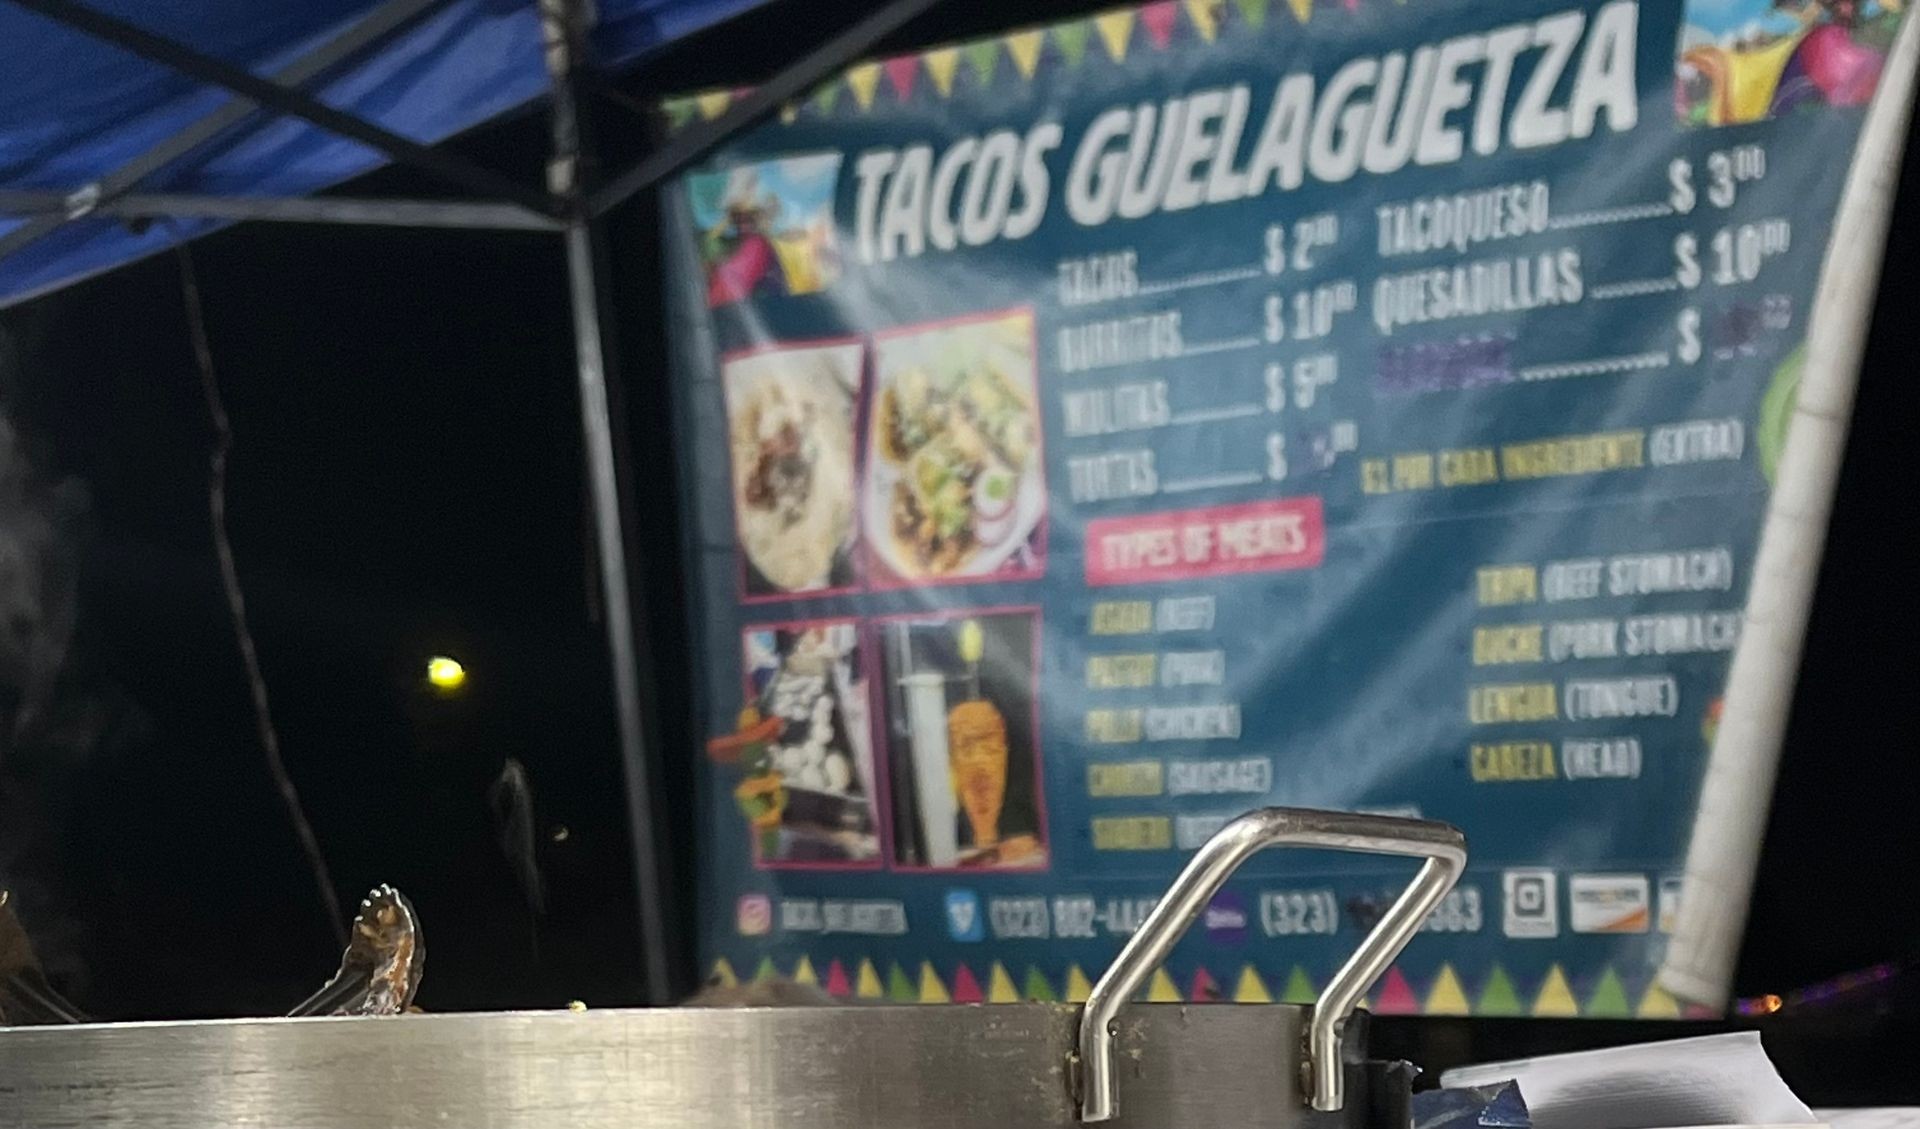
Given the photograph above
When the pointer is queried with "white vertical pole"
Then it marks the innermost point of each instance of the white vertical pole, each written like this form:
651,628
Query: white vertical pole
1734,798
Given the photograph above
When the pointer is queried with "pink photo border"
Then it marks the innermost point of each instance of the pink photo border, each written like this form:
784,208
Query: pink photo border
857,555
878,576
882,780
1033,612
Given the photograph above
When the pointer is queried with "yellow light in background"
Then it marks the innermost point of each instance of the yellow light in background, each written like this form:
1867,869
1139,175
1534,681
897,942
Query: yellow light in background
446,674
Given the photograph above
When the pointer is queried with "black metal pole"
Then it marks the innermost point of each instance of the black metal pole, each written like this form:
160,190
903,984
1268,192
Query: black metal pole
287,100
563,25
695,142
480,215
383,21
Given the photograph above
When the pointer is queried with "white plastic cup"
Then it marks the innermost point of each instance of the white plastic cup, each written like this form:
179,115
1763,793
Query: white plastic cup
932,767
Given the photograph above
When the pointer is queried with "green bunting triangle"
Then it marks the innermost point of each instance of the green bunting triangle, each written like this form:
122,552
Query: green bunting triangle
766,971
1037,988
1499,997
1299,989
828,95
985,57
900,987
1609,999
1253,11
1072,38
680,111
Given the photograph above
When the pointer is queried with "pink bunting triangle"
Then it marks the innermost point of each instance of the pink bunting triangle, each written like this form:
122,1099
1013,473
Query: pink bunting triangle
837,981
1204,989
966,990
901,73
1158,19
1396,996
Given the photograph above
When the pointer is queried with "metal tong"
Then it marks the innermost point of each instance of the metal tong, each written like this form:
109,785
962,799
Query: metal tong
380,971
25,996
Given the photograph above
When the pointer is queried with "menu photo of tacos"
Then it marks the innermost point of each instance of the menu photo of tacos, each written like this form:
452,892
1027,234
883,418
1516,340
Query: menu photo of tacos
790,413
804,747
963,761
955,488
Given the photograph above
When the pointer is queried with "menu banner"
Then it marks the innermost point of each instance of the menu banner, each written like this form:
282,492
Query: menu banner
1092,433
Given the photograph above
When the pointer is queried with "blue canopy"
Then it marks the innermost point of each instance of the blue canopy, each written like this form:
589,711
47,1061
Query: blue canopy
72,108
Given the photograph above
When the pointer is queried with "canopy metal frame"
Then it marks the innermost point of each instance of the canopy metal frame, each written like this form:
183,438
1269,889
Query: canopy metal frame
568,205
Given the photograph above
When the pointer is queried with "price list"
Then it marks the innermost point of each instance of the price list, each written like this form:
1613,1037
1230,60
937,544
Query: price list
1202,407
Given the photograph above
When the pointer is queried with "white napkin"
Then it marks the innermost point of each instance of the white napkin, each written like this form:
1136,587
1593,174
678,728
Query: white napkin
1713,1080
1871,1117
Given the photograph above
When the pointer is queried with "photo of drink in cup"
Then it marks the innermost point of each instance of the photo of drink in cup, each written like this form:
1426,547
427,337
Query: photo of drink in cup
963,759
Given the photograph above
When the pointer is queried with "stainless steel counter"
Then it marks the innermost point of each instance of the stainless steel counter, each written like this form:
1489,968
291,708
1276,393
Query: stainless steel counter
984,1067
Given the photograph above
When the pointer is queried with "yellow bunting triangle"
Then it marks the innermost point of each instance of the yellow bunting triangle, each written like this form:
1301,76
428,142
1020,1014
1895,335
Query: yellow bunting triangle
1115,28
1657,1004
1302,9
1078,989
941,64
932,991
1205,15
1000,989
1250,989
723,976
803,972
867,985
1161,989
789,113
1025,48
864,79
714,103
1447,997
1556,997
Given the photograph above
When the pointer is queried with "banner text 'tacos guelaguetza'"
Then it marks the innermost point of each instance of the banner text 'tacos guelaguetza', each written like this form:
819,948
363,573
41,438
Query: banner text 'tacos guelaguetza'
1097,431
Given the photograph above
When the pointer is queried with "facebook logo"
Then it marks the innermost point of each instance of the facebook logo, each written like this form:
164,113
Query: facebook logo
965,922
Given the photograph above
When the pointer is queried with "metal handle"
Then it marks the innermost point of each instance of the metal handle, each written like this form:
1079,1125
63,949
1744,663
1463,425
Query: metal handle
1442,845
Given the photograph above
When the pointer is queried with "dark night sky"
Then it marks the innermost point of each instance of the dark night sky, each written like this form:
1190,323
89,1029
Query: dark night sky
406,481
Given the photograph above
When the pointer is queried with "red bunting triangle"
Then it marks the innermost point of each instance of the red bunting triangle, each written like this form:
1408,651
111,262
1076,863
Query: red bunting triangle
966,990
837,981
1204,989
1396,996
1158,19
901,73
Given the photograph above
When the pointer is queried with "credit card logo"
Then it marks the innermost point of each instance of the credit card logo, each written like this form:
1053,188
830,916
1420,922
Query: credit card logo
1532,904
1671,891
1609,903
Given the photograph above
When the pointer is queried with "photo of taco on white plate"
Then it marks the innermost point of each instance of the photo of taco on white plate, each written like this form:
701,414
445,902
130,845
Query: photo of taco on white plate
790,436
955,486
